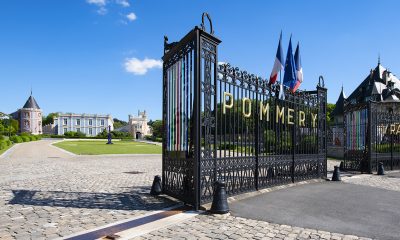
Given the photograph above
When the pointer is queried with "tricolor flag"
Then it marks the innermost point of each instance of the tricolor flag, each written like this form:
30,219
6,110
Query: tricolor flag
299,69
289,78
278,64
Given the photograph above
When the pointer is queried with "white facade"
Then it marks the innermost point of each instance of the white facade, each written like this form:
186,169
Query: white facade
89,124
138,125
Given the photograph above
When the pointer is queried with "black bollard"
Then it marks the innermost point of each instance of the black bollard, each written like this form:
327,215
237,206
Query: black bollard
220,201
381,169
336,174
156,187
341,166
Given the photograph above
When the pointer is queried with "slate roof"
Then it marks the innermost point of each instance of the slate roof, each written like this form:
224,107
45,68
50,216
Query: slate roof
372,85
339,108
31,103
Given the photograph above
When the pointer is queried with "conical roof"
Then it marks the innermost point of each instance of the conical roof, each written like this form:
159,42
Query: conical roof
339,108
31,103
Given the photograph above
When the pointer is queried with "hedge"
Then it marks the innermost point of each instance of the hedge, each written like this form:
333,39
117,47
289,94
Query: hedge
2,145
25,138
16,139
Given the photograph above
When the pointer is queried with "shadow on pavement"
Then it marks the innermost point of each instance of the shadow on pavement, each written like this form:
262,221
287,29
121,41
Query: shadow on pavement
331,206
138,199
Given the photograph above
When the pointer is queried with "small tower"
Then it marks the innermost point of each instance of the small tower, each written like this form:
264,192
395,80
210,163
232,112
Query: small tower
338,111
30,117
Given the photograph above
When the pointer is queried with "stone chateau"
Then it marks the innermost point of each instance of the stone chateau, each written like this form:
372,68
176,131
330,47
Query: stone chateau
138,125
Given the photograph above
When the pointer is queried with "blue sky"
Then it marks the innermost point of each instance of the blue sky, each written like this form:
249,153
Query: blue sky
88,55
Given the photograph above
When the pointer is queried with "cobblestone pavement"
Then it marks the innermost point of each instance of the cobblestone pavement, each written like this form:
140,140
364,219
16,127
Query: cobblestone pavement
230,227
390,181
46,193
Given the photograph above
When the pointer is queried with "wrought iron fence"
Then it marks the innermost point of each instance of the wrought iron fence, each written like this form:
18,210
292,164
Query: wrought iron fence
372,135
221,123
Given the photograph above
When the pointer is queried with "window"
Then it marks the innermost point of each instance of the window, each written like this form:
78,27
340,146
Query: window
90,122
65,130
90,131
78,130
26,123
65,121
78,121
27,114
102,122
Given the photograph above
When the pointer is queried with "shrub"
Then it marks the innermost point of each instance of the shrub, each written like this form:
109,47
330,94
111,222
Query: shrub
25,134
32,138
16,139
38,137
74,134
2,145
225,146
157,139
8,142
308,144
1,137
25,138
148,137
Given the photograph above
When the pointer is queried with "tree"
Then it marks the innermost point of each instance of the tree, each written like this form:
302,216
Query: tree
157,129
119,123
14,126
49,119
329,110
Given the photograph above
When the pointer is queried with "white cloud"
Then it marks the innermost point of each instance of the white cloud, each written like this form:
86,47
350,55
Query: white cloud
123,3
131,16
140,67
102,11
97,2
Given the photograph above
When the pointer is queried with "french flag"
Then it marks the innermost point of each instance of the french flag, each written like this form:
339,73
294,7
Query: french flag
278,64
299,69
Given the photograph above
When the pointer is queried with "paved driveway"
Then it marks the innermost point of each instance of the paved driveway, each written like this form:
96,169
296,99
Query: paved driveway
330,206
46,193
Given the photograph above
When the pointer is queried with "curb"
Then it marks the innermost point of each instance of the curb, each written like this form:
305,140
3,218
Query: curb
4,154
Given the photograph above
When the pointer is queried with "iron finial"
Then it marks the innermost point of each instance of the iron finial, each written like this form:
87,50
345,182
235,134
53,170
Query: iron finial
321,82
209,20
165,40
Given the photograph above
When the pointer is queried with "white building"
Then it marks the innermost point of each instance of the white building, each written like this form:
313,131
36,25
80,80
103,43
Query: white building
89,124
138,125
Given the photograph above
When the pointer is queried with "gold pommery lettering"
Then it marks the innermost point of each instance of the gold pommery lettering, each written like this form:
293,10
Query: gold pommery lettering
264,110
248,101
227,106
280,114
314,118
392,128
398,129
290,112
302,119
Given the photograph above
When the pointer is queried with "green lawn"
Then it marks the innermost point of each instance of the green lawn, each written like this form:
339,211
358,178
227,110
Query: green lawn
100,147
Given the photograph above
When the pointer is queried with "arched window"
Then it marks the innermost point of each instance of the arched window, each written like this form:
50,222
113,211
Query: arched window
26,123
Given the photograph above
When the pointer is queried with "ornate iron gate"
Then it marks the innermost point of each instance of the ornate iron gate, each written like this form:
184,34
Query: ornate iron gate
372,135
224,123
